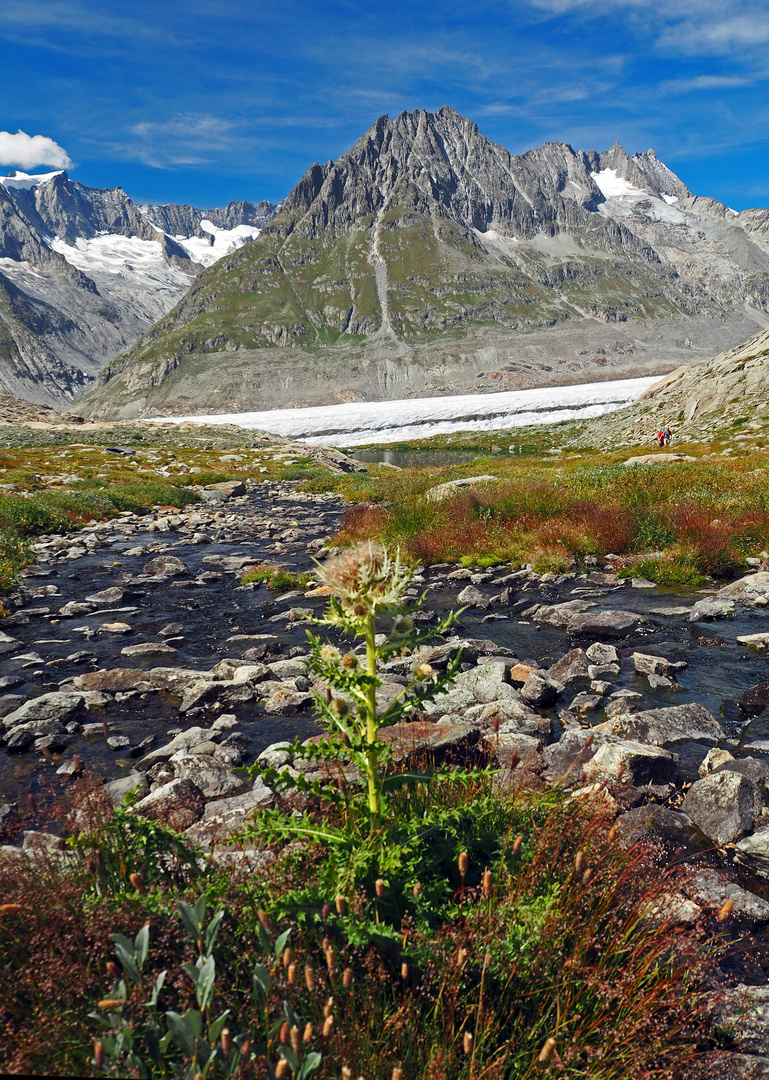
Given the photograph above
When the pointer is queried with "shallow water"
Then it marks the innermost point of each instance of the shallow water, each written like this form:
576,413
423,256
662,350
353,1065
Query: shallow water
719,669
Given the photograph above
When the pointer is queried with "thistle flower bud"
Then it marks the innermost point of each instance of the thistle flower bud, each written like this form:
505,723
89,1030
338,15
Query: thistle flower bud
404,970
296,1041
350,660
330,652
340,707
463,862
341,905
283,1034
517,844
359,610
291,975
226,1038
347,978
725,910
416,889
281,1069
379,886
403,624
486,883
467,1043
546,1050
423,671
309,978
328,1024
307,1035
98,1054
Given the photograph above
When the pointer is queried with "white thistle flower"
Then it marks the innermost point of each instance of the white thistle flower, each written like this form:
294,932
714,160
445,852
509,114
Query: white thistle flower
365,579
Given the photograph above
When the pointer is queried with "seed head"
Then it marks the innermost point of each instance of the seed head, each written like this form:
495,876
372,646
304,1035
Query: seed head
467,1043
517,844
579,862
110,1003
328,1008
611,836
283,1034
281,1069
341,905
330,652
462,955
725,910
404,624
10,909
296,1040
307,1035
397,1073
113,969
331,959
328,1024
587,876
309,978
416,889
404,970
350,660
463,862
347,978
136,881
98,1054
291,975
288,957
340,706
379,886
486,883
423,671
546,1050
226,1038
325,911
264,919
346,1072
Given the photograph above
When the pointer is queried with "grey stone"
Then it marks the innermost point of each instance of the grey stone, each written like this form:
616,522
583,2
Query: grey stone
59,706
724,806
171,629
165,566
632,763
747,589
178,804
112,595
214,778
284,702
287,669
569,668
667,726
558,614
117,790
275,755
185,740
445,491
472,597
711,608
712,888
148,648
611,623
541,691
601,653
504,745
603,671
744,1012
646,664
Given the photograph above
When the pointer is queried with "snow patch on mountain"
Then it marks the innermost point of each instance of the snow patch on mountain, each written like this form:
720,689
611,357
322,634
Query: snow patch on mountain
136,262
26,181
222,241
623,199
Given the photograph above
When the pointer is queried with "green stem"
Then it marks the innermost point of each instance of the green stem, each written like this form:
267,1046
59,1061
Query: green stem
372,729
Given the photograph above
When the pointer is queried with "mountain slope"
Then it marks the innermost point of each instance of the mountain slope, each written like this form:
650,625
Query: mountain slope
85,271
426,248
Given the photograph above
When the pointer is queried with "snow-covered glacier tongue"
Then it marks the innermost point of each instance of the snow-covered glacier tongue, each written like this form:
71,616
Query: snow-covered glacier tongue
357,423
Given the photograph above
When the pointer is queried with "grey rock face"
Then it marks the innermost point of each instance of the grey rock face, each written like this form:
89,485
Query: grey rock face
724,806
57,706
179,804
612,624
666,727
632,763
711,608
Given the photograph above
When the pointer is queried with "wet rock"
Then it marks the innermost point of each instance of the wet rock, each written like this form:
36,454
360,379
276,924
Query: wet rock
443,741
611,623
754,641
117,790
557,614
540,691
18,742
148,648
171,629
57,706
570,668
75,607
472,597
755,769
646,664
178,804
622,702
714,757
744,1012
114,628
9,703
113,680
603,671
632,763
118,742
724,806
585,703
754,700
9,817
667,726
571,753
711,608
670,825
112,595
164,566
601,653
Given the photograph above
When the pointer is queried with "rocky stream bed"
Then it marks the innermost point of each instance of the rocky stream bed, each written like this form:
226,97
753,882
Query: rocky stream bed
133,654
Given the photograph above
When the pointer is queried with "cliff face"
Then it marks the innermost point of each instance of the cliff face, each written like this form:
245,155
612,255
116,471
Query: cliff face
85,271
422,238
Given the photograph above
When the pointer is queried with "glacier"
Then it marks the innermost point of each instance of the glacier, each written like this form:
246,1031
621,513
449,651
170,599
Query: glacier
357,423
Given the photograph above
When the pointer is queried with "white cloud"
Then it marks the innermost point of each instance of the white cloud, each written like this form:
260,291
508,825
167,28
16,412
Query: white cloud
31,151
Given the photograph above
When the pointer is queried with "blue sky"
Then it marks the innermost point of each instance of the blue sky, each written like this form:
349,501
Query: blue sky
204,101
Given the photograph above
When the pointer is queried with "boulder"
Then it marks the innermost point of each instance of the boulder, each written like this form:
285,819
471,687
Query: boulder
602,653
148,648
164,566
647,664
667,726
632,763
747,589
724,806
229,488
284,702
509,714
653,820
612,623
113,680
743,1011
451,487
442,741
112,595
507,745
472,597
57,706
177,804
569,756
184,741
540,690
753,852
569,668
8,644
711,608
712,888
214,778
558,614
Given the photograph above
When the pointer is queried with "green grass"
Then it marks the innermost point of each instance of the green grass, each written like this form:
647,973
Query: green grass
276,577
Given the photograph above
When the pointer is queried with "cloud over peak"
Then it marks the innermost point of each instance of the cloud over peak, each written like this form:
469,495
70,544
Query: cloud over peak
32,151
